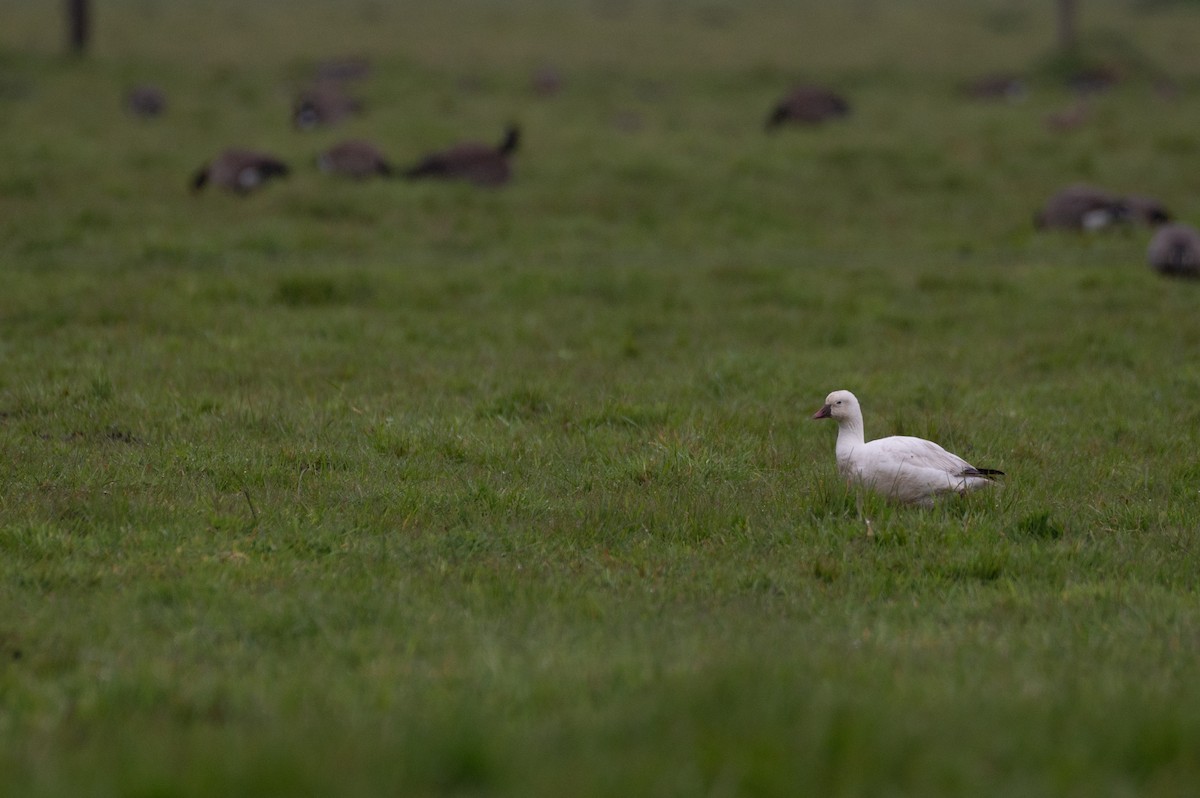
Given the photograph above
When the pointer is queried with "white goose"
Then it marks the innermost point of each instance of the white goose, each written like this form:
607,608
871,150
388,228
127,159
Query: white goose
911,470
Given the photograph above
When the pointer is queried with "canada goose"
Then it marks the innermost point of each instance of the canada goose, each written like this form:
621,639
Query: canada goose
481,164
1175,251
240,171
1091,80
145,101
1080,207
808,105
995,87
324,103
354,158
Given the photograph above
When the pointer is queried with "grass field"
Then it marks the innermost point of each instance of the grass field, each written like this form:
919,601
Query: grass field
419,489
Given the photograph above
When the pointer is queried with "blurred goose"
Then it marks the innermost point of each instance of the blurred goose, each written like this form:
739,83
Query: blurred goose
325,103
481,164
996,87
910,470
1175,251
240,171
1093,79
145,101
1081,207
354,158
808,105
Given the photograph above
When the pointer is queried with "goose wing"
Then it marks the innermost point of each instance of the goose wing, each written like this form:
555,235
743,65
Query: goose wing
900,451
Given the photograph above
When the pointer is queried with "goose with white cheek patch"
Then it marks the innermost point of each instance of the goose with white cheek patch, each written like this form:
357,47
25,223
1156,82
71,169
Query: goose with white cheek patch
239,171
902,468
481,164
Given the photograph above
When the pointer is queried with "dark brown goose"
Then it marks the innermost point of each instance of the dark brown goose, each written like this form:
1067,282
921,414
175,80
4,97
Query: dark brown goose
240,171
324,104
481,164
1081,207
354,158
808,105
1093,79
1175,251
995,87
145,101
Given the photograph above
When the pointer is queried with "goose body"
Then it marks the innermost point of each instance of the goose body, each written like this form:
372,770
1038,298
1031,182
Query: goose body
324,104
808,105
996,87
145,101
1175,251
903,468
240,171
1084,207
1093,79
1080,207
481,164
354,158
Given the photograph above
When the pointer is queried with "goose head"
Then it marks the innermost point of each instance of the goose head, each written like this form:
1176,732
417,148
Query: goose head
512,137
838,405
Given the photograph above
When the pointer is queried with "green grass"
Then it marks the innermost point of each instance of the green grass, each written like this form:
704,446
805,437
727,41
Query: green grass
408,489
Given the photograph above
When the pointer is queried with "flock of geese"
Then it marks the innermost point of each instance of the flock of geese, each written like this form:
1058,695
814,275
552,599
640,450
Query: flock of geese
1174,248
905,469
324,104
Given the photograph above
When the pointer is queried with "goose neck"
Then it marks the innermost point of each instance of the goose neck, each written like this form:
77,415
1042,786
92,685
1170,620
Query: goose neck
850,432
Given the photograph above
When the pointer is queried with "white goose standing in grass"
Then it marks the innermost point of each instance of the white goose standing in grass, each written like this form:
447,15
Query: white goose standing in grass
911,470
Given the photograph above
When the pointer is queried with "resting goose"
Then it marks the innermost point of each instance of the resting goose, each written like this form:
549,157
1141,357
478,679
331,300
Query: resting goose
1093,79
910,470
240,171
1081,207
323,104
996,87
1175,251
808,105
481,164
354,158
145,101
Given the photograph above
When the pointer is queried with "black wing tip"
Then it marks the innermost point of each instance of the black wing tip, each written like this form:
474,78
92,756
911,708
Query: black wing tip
986,473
